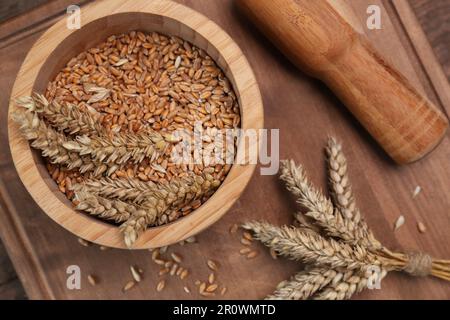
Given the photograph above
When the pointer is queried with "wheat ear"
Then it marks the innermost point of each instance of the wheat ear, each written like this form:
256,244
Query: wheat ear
119,149
310,247
138,222
92,138
304,284
104,208
320,208
50,141
350,283
157,198
342,194
65,117
177,190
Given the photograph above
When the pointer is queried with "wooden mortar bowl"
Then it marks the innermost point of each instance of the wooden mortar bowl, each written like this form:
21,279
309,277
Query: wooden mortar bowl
98,21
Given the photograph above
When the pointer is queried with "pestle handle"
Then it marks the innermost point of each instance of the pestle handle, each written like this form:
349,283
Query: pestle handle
322,39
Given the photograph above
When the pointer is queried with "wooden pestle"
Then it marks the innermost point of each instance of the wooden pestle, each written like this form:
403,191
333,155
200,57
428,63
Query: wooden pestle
322,38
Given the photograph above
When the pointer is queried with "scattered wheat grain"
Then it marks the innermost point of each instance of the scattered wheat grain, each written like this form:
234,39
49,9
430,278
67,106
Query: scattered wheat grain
128,286
176,257
399,222
213,265
92,280
161,285
422,228
136,275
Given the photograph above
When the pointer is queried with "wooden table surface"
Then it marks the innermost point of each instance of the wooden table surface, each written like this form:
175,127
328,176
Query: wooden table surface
433,16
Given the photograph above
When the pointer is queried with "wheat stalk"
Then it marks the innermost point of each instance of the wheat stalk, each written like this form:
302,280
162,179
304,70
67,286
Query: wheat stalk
304,284
311,248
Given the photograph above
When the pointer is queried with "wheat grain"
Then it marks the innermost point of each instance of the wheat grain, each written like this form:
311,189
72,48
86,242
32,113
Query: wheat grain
202,287
135,274
247,235
213,265
163,271
234,228
173,269
83,242
176,257
399,222
184,274
92,280
421,227
161,285
211,288
416,192
245,251
128,286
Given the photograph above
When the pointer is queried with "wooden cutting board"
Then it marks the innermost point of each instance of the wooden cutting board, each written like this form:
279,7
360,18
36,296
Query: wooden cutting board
306,112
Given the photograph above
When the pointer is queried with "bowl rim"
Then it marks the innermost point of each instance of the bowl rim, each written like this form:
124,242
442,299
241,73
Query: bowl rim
91,228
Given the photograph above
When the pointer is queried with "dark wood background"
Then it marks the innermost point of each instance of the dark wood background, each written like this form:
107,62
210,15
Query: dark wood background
433,15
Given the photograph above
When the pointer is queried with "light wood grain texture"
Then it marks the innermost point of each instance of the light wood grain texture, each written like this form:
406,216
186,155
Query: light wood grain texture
306,112
102,19
324,39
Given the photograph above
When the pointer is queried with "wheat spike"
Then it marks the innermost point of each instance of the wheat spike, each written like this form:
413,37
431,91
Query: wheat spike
92,137
310,247
342,193
104,208
304,284
351,282
155,198
119,149
50,142
64,117
307,196
177,191
321,208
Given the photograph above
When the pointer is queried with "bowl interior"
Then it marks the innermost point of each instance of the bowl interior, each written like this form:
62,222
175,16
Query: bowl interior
98,31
